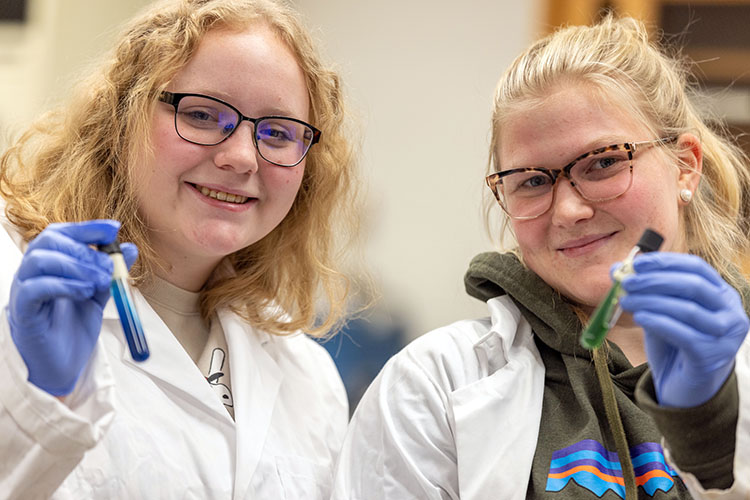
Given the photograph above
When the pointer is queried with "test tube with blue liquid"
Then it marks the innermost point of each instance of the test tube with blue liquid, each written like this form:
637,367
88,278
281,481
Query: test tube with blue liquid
607,313
123,296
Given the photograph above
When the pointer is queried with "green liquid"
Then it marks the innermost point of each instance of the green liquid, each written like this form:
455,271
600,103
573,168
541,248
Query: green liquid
594,333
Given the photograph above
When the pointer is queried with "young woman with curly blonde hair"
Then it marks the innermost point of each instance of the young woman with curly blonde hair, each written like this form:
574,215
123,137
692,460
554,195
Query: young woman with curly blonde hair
213,143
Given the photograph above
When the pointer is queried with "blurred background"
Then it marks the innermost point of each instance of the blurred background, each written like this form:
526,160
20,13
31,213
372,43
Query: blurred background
419,76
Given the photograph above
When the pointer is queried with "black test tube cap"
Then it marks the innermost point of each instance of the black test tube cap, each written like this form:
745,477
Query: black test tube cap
650,241
113,247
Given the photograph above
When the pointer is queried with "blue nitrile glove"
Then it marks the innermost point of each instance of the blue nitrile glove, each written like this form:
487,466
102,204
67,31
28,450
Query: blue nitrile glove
57,298
694,324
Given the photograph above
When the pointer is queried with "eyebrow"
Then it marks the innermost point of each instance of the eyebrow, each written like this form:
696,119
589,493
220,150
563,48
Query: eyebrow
230,99
599,142
218,94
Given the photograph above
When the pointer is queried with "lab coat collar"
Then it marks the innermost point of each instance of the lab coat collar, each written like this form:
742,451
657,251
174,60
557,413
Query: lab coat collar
513,385
168,362
255,375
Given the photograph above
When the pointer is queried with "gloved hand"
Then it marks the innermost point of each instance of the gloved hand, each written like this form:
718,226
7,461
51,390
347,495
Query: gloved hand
57,298
694,324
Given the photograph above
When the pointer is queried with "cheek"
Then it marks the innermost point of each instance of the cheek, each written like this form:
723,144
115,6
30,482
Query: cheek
652,204
286,182
141,173
170,154
530,236
172,158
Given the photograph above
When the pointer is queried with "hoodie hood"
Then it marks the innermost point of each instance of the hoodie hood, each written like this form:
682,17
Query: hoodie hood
552,318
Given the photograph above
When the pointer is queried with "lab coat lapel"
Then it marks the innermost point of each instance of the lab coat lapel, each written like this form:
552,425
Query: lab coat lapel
256,379
498,416
168,362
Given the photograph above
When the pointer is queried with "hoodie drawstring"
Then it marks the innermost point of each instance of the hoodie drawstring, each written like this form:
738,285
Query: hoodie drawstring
613,417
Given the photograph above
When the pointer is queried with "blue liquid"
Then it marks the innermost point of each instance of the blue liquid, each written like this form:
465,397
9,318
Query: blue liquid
131,323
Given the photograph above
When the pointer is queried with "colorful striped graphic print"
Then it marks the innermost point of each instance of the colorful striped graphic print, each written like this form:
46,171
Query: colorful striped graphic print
595,468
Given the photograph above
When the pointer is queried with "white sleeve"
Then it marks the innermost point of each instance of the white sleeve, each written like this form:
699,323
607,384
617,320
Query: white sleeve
43,439
399,444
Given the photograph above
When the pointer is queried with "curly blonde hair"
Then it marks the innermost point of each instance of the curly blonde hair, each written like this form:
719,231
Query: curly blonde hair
72,165
616,58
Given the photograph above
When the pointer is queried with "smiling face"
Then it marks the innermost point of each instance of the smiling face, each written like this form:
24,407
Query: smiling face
573,245
189,194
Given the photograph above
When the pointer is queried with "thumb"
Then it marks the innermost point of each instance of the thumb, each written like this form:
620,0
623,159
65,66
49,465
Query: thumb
129,253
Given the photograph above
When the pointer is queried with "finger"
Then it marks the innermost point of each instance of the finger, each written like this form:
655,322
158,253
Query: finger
102,296
92,232
683,285
681,262
35,292
709,323
129,253
49,239
688,344
671,331
40,262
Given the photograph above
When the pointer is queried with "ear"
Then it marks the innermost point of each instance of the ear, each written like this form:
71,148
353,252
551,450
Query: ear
690,153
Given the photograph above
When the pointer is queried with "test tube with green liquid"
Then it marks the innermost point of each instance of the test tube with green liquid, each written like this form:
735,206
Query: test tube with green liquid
608,311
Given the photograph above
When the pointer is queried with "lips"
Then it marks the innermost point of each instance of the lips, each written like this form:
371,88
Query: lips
579,245
221,195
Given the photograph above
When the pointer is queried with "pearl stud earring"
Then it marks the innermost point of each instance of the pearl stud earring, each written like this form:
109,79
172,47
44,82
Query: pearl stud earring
686,195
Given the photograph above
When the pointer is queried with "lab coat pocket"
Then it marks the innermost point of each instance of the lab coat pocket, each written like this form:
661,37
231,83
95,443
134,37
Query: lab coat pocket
303,479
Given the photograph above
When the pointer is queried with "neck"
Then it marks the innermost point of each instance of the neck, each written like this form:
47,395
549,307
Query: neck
629,338
185,274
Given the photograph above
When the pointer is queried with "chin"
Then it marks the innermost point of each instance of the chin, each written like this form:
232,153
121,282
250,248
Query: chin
227,249
220,244
592,295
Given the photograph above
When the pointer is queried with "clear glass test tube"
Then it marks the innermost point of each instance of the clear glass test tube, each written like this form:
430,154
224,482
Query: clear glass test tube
608,311
123,297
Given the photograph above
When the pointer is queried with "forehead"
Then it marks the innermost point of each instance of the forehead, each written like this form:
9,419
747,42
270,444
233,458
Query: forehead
554,130
251,68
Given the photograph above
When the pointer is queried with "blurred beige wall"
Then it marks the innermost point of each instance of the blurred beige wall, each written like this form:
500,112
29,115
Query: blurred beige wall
41,58
420,76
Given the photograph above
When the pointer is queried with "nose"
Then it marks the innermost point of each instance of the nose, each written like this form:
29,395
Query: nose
238,152
568,206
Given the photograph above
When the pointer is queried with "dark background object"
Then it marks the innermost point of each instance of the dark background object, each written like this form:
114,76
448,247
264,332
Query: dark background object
717,25
13,10
361,349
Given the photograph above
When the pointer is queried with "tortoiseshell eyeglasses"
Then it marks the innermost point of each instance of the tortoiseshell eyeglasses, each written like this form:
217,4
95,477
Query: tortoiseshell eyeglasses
599,175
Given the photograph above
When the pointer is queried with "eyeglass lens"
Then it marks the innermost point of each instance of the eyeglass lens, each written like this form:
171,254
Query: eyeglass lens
205,121
597,177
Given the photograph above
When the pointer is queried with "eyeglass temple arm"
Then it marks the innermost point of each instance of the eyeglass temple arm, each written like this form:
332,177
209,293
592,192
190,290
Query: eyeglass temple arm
167,97
635,146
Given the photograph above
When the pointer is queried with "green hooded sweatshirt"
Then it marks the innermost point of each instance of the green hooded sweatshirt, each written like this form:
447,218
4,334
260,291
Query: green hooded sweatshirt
577,454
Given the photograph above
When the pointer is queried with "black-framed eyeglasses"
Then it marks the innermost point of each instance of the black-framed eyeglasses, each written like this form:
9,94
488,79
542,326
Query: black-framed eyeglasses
599,175
208,121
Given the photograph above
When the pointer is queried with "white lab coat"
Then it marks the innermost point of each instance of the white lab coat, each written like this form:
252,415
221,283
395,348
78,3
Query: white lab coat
456,414
158,430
